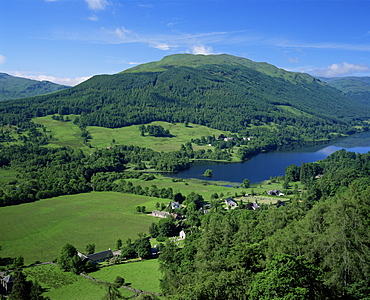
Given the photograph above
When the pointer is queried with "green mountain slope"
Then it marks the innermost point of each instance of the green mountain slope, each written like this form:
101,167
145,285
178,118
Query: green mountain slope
357,88
12,87
219,91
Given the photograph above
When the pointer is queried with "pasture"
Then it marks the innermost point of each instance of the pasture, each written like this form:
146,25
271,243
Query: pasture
69,134
38,230
143,275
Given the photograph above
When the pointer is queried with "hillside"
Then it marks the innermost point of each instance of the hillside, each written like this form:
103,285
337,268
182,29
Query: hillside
219,91
12,87
357,88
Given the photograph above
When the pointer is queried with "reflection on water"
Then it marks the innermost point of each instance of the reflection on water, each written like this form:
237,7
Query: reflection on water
265,165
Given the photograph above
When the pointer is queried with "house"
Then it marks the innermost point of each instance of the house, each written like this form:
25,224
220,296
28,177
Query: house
182,234
6,284
160,214
96,257
255,206
231,202
274,192
175,205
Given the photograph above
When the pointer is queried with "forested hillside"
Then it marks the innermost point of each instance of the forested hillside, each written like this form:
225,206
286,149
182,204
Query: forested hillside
12,87
233,94
315,247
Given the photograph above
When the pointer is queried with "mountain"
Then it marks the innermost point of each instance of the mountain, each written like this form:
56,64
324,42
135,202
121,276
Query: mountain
220,91
12,87
355,87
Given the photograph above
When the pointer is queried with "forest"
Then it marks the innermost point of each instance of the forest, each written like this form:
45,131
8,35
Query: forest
315,247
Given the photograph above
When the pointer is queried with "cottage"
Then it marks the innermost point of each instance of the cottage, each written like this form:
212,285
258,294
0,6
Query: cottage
274,192
182,234
231,202
255,206
160,214
175,205
6,284
96,257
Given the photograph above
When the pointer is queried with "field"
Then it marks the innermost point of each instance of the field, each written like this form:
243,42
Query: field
143,275
69,134
38,230
64,285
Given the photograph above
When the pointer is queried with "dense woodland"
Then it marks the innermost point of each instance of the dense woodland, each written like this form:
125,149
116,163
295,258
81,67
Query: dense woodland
316,247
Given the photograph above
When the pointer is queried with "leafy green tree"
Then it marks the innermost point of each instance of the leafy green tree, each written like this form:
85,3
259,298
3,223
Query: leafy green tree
288,277
90,248
119,244
153,230
119,281
246,183
208,173
68,260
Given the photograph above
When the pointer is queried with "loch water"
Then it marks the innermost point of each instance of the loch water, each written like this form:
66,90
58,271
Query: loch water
265,165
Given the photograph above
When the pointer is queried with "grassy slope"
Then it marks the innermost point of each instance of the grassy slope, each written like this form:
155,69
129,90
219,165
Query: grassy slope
143,275
64,285
38,230
69,134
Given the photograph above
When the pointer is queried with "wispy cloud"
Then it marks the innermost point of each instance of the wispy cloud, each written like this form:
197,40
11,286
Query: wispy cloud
344,68
97,4
93,18
2,59
201,49
64,81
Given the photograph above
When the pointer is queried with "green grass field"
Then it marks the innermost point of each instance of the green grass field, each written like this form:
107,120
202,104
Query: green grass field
61,285
64,133
69,134
38,230
143,275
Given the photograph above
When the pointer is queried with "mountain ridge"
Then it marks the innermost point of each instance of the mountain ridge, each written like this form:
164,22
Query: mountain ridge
13,87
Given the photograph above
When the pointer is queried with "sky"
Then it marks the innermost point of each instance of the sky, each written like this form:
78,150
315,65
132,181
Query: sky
68,41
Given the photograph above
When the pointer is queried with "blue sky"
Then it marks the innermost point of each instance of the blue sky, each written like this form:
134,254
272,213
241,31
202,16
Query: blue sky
67,41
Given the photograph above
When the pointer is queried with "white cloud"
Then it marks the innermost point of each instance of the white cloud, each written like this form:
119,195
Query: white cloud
97,4
2,59
161,46
341,69
122,32
93,18
201,49
58,80
293,59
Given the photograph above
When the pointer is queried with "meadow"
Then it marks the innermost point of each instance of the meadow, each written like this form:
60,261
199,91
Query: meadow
38,230
69,134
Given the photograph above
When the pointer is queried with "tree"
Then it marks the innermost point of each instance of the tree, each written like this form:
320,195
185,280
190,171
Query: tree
153,230
142,247
287,277
208,173
119,281
119,244
68,260
90,249
246,183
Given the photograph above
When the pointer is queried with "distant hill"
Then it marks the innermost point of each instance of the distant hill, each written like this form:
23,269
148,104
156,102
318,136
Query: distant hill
12,87
219,91
355,87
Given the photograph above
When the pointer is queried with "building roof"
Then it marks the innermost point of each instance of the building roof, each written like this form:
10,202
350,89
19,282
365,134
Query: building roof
163,214
100,255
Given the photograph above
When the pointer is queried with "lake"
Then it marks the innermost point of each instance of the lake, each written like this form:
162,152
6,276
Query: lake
265,165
